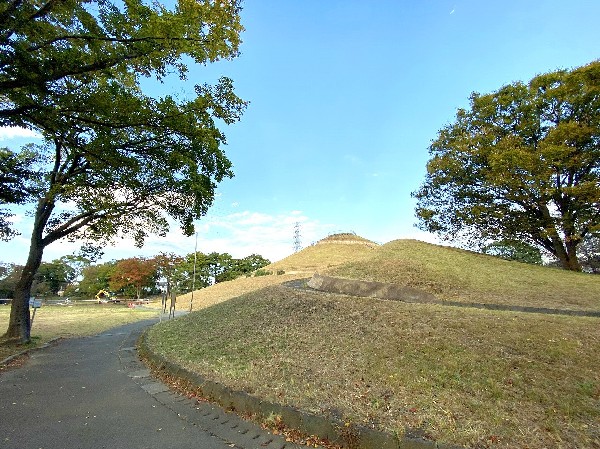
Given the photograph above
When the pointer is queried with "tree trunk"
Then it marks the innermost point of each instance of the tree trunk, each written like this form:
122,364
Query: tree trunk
567,255
573,260
564,249
19,325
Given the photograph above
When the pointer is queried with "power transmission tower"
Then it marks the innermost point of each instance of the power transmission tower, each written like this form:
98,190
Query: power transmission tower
297,246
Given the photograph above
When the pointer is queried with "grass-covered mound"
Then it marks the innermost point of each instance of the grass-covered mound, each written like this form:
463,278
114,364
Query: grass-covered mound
327,253
471,377
459,275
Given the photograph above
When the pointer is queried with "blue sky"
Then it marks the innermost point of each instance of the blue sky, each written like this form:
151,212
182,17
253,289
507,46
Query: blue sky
345,97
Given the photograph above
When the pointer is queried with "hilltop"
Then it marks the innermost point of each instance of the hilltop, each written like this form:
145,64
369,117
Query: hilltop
327,253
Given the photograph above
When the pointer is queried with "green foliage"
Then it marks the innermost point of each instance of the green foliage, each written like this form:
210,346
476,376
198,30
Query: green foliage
122,161
250,263
9,275
514,250
71,71
44,44
52,277
17,184
262,272
214,268
95,278
522,163
166,265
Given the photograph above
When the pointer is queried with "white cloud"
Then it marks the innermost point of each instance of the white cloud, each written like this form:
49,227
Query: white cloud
239,234
14,132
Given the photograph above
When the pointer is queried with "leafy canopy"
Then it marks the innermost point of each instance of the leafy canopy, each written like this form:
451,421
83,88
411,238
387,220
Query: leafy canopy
523,163
71,71
114,160
42,43
135,273
65,64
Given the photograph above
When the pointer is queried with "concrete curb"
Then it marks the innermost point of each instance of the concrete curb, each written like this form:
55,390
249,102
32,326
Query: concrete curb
331,429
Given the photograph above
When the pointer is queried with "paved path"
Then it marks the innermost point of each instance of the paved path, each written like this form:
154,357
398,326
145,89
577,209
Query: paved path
92,393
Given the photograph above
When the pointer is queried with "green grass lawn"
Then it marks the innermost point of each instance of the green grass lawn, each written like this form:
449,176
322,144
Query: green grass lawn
71,321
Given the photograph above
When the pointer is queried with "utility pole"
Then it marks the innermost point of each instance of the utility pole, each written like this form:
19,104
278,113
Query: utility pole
297,246
194,275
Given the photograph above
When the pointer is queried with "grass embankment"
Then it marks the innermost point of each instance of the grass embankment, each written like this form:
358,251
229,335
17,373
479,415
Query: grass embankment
71,321
471,377
459,275
476,378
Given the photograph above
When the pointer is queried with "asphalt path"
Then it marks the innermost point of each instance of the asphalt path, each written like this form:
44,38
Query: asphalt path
93,392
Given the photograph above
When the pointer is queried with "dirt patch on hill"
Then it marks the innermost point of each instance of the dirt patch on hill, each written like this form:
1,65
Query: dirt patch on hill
369,289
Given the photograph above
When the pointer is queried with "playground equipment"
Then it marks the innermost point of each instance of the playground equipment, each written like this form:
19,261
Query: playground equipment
104,296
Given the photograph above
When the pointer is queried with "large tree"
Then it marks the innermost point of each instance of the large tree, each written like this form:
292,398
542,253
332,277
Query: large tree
522,163
166,268
95,278
114,162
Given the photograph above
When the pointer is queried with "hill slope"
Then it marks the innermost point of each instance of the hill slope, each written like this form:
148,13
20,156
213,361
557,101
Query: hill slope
459,275
328,253
448,273
479,378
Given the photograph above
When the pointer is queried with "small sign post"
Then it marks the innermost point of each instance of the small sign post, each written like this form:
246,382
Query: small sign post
35,304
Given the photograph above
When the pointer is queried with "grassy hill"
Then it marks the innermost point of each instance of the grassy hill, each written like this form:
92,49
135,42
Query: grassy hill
459,275
328,253
448,273
472,377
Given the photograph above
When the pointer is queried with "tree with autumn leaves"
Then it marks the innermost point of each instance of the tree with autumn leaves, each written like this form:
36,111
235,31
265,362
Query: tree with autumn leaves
130,277
134,273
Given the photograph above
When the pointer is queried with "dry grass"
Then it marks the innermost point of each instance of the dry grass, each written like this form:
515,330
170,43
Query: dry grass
470,377
72,321
231,289
448,273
